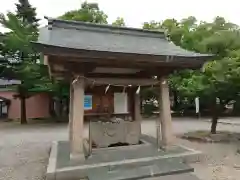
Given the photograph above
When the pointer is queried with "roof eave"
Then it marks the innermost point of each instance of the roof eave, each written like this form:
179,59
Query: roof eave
192,61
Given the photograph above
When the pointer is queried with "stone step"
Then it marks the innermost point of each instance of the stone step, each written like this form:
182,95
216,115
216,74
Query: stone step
174,162
184,176
155,169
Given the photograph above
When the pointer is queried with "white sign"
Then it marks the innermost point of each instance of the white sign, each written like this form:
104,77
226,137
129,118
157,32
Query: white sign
120,103
197,104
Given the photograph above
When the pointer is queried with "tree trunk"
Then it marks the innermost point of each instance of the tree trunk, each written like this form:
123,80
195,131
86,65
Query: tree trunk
214,125
214,118
60,107
23,110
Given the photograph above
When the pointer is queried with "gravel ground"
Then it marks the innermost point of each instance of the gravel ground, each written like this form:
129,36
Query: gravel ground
221,162
24,150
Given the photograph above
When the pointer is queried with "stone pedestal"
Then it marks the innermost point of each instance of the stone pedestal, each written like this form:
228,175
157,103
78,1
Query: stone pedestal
104,134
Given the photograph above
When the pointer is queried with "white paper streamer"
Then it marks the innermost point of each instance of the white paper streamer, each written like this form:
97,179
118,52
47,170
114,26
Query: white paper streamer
138,90
107,88
93,83
75,80
164,82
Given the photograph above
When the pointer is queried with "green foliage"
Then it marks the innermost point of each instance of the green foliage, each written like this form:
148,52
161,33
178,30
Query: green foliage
27,13
22,59
119,22
61,89
19,38
17,48
150,96
152,25
219,78
89,12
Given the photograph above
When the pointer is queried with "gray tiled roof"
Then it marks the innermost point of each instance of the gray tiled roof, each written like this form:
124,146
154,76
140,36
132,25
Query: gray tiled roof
87,36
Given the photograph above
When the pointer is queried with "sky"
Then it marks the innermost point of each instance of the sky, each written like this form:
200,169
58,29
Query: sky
136,12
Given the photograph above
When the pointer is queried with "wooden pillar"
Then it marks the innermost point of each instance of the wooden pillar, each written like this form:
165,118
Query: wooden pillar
77,120
70,112
165,135
137,111
131,97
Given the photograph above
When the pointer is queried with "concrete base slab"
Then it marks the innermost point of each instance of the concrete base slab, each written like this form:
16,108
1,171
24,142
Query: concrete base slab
61,167
153,169
185,176
52,163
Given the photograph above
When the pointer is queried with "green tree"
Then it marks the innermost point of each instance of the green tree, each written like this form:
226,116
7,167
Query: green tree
119,22
152,25
27,13
22,58
89,12
218,82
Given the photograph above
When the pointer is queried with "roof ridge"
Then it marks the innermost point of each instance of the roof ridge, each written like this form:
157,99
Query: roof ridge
103,28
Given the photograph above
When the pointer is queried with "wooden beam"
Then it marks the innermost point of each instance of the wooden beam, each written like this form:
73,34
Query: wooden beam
58,67
87,67
101,62
121,63
118,81
72,67
124,76
141,75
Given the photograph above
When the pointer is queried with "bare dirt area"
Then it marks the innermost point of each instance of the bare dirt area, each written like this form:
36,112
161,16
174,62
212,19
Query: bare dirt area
24,150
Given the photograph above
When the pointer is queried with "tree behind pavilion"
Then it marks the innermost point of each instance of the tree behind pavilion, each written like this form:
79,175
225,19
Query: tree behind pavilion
22,58
220,78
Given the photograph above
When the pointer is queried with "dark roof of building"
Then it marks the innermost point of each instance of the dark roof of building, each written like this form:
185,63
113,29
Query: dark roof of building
5,99
106,38
6,82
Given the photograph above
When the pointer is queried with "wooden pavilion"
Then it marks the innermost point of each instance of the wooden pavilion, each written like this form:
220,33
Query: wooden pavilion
104,59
